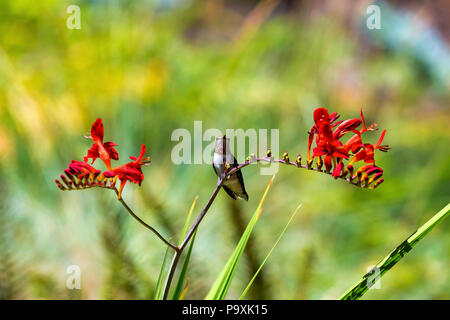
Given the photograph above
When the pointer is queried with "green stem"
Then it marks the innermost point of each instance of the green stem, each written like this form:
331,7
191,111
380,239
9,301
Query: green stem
188,237
145,224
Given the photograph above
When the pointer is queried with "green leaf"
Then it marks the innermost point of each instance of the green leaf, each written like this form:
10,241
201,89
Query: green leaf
223,281
158,289
360,288
188,219
183,293
181,278
270,252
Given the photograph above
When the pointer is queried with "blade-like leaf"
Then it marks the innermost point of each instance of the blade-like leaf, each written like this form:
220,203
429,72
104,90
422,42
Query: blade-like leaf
181,278
360,288
158,289
268,255
184,290
223,281
188,219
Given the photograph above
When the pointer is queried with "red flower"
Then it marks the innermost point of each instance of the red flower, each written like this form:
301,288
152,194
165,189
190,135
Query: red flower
82,175
344,127
367,152
78,168
355,143
327,144
129,172
337,172
104,151
334,152
370,173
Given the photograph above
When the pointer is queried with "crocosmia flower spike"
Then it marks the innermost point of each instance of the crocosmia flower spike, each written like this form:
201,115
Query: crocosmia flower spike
82,175
328,134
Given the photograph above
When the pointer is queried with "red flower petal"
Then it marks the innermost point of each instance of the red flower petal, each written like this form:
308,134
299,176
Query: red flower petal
97,131
104,151
321,115
92,153
337,172
131,171
344,127
109,147
79,168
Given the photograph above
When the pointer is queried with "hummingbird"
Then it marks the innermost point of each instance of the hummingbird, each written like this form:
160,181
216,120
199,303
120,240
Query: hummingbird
234,185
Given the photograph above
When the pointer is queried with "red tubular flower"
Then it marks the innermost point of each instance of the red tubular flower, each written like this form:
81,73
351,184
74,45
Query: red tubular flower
104,151
367,152
337,172
344,127
354,143
129,172
79,174
329,146
328,164
369,173
82,175
78,168
372,127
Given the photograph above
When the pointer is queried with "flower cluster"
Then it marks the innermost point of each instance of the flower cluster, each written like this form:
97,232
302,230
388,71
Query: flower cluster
331,152
81,175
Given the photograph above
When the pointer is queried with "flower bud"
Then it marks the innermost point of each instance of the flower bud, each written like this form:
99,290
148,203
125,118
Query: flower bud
298,161
319,163
376,184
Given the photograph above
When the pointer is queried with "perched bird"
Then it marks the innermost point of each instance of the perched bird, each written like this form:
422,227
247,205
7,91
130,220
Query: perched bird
234,185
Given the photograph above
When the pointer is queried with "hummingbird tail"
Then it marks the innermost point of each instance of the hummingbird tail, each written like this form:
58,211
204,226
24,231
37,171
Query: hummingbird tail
243,196
236,195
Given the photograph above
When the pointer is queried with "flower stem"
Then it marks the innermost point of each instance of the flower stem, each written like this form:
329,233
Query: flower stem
188,237
351,180
145,224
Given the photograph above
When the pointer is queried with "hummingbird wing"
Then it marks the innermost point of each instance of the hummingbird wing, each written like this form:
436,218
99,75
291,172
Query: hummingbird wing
244,194
235,195
227,190
230,192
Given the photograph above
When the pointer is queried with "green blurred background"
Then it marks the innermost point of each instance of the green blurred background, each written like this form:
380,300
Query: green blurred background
149,67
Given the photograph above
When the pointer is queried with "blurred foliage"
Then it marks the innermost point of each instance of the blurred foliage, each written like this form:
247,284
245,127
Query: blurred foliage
150,67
